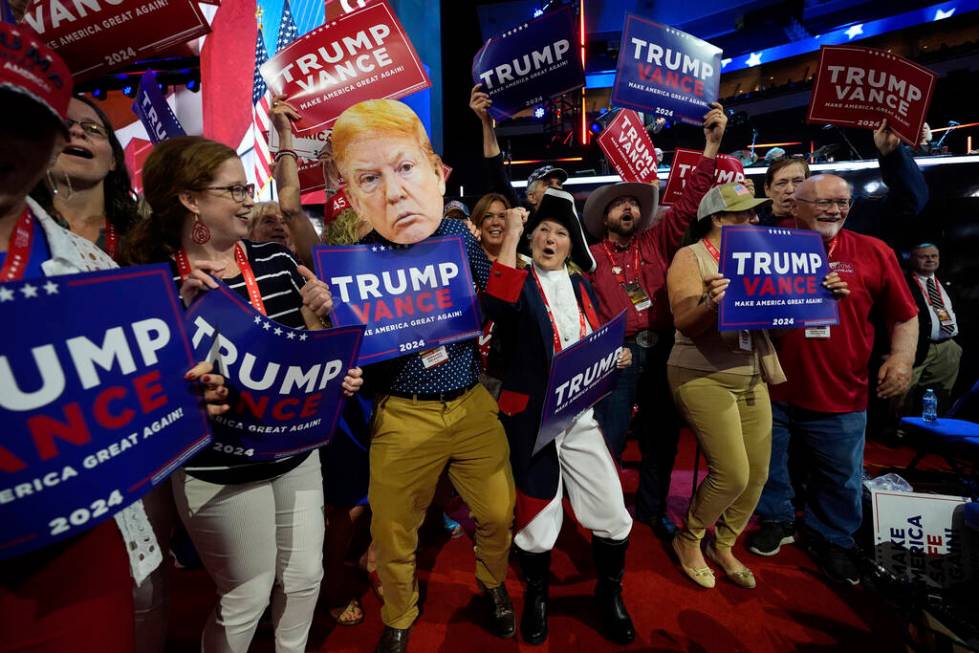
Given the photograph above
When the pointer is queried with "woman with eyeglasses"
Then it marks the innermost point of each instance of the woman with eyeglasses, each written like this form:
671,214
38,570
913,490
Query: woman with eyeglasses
258,527
719,381
88,187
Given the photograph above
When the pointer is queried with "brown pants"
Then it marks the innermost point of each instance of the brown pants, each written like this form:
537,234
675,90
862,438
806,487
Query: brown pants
412,443
732,416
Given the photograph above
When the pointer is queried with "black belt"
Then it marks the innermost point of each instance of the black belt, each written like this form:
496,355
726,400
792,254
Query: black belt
434,396
645,338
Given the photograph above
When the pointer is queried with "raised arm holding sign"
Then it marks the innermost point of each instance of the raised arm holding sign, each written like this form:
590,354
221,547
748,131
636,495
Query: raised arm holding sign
530,63
362,55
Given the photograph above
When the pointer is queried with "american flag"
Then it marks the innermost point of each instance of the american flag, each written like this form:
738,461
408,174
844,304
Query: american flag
261,98
260,116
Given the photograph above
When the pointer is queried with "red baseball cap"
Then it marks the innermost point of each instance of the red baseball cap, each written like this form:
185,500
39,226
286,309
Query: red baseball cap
336,204
30,68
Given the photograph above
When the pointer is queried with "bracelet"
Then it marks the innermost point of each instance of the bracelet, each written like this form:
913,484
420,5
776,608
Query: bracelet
286,152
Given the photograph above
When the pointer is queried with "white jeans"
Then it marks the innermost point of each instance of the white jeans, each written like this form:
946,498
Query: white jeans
257,539
594,489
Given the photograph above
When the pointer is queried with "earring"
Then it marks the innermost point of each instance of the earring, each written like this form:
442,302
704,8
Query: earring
200,234
54,186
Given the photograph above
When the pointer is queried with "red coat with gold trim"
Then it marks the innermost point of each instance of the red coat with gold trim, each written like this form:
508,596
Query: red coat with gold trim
513,301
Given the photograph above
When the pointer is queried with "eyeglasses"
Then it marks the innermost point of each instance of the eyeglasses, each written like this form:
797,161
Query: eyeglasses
90,127
825,205
238,191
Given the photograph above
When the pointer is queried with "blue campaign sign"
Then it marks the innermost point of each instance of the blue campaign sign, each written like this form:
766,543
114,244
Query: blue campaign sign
151,107
410,297
665,72
93,401
581,376
285,384
776,279
530,63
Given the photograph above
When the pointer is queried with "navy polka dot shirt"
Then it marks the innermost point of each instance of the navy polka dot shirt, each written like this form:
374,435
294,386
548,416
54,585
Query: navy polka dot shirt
407,374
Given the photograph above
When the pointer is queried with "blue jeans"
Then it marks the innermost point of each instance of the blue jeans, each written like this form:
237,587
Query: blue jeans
614,413
833,446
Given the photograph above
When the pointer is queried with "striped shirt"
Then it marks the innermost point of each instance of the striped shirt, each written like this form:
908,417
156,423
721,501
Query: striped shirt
279,282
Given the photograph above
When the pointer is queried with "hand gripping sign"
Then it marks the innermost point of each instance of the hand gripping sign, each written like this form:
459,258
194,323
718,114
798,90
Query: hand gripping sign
411,298
154,112
727,169
97,36
665,72
530,63
629,148
285,384
776,279
362,55
858,87
581,376
93,401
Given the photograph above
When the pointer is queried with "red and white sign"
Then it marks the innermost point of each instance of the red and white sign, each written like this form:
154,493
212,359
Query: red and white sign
96,37
727,169
858,87
310,175
360,56
337,8
629,148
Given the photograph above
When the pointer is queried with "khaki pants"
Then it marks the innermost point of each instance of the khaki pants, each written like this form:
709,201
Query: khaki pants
938,371
411,444
732,416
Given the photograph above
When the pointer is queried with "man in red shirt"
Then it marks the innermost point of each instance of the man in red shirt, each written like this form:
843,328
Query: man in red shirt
823,406
632,260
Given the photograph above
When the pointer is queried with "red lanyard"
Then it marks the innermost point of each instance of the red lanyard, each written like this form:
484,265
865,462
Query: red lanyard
619,276
713,250
831,247
254,294
550,316
111,239
18,249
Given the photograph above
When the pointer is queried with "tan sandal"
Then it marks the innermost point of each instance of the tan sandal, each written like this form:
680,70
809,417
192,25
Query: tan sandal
348,615
741,577
703,576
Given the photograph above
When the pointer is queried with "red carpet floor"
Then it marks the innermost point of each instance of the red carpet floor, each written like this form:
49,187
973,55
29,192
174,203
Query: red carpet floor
793,609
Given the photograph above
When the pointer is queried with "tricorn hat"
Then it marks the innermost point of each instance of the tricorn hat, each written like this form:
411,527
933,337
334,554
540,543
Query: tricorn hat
558,205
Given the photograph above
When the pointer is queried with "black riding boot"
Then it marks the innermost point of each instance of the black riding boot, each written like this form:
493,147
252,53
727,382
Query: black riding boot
536,569
610,564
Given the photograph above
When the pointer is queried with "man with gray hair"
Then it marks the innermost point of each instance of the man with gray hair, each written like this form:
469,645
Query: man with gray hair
823,405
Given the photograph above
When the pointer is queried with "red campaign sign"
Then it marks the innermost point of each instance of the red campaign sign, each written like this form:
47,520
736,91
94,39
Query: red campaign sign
629,148
137,151
727,169
360,56
337,8
857,87
96,37
310,175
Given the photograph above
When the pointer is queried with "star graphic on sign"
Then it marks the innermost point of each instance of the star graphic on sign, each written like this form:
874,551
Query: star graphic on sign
51,288
754,59
6,295
29,290
277,331
291,335
725,62
939,14
374,249
266,326
302,336
381,248
854,31
258,319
